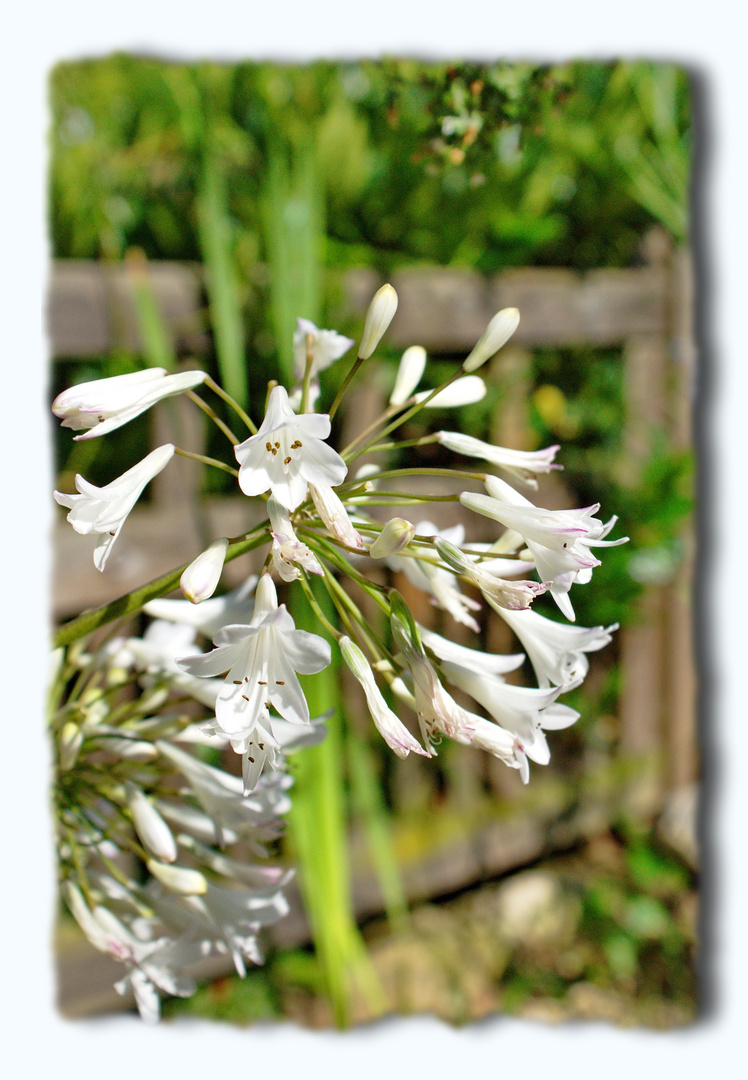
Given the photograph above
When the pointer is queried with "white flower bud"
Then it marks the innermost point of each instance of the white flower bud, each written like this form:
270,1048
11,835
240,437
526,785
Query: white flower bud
179,878
149,825
496,334
395,536
201,577
464,391
71,740
409,374
379,316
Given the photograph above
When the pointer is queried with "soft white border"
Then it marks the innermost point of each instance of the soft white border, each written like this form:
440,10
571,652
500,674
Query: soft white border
707,38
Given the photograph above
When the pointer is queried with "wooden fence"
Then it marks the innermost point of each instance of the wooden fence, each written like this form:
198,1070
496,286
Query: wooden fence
647,313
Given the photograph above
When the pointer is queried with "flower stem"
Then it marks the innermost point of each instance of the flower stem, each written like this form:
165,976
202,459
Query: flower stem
232,403
206,460
213,416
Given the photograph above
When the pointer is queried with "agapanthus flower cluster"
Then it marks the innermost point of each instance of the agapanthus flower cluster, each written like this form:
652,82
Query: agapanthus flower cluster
328,524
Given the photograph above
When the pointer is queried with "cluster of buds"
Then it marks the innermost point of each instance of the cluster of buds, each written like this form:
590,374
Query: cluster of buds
325,529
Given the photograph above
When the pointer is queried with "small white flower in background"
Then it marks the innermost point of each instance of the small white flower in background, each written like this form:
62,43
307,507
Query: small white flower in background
235,606
287,548
288,452
464,391
262,660
379,315
516,595
392,730
334,515
103,405
556,650
437,581
103,510
325,347
395,536
524,464
412,366
497,333
200,579
559,540
179,879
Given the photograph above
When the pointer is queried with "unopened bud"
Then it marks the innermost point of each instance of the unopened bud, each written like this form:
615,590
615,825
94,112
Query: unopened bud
464,391
179,879
409,374
201,577
496,334
452,555
379,316
71,740
395,536
149,825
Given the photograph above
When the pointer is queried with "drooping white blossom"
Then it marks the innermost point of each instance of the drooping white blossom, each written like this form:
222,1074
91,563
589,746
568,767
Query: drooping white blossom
103,510
103,405
557,650
389,726
287,453
288,551
262,660
559,540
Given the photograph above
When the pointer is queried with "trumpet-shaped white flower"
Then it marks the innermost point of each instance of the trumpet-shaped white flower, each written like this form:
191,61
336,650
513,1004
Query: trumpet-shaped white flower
516,595
287,548
104,510
441,583
287,453
392,730
559,540
335,516
494,739
262,660
103,405
200,579
482,662
324,346
524,711
556,650
524,464
412,365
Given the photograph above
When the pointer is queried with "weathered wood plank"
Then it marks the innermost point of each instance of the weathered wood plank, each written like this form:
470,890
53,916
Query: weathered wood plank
91,310
90,306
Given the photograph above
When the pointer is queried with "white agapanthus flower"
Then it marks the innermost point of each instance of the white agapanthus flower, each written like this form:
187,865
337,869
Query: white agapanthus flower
559,540
104,510
103,405
412,366
200,579
325,347
465,391
524,464
262,660
287,453
557,650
